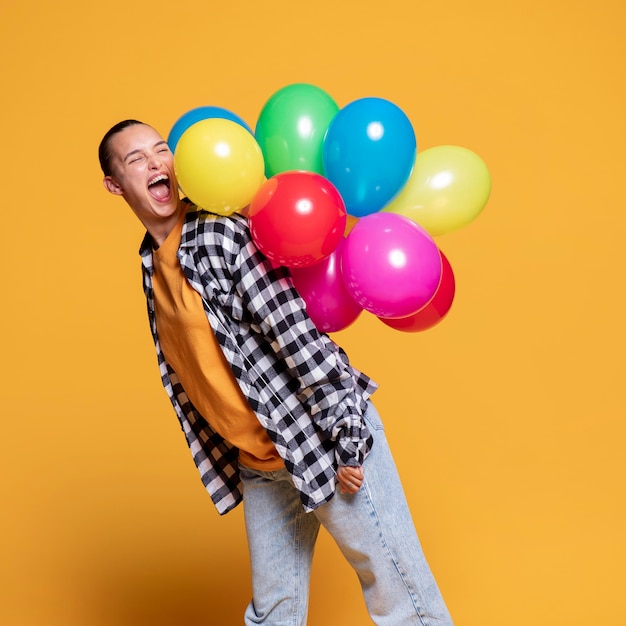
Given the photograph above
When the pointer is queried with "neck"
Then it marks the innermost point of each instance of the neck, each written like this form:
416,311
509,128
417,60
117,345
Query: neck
160,230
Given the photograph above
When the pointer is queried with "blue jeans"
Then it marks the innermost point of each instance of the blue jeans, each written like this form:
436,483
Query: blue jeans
373,529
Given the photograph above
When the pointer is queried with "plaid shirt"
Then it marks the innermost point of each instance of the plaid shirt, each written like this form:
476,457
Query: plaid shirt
298,382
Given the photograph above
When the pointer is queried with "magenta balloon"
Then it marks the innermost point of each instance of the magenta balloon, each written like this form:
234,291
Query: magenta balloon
391,266
434,312
328,302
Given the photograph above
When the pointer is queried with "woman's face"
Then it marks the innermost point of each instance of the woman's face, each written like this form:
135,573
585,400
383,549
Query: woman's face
142,168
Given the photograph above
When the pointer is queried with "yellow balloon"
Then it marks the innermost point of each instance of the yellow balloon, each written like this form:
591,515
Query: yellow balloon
448,187
219,165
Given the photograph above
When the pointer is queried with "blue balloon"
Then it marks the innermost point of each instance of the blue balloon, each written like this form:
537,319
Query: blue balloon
197,115
368,153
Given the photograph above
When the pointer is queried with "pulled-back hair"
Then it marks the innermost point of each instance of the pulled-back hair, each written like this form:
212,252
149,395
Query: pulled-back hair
104,152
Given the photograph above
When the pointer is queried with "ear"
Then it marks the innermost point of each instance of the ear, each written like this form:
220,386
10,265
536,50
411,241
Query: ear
112,186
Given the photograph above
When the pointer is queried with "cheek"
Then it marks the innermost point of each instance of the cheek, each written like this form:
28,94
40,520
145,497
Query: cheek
136,178
131,187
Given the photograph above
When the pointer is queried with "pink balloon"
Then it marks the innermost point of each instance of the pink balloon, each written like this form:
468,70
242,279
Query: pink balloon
391,266
435,310
328,303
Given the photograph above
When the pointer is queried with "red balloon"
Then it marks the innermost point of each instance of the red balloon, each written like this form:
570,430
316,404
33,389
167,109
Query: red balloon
435,310
328,303
297,218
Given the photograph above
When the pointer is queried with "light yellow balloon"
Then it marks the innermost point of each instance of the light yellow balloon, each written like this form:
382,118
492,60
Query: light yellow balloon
448,188
219,165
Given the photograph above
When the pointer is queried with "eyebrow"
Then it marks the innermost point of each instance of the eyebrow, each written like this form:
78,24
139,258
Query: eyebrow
158,143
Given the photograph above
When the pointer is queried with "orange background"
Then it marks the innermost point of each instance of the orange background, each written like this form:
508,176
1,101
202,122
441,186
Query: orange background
507,420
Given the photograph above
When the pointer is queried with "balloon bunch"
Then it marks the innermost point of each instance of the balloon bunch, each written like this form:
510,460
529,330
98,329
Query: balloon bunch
341,197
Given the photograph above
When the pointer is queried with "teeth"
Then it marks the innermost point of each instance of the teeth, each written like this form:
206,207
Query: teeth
158,179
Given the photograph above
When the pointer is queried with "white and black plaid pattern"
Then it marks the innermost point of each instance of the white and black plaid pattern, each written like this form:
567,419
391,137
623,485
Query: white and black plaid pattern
297,380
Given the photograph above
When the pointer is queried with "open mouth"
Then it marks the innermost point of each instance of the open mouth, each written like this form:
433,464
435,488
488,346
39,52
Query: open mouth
159,187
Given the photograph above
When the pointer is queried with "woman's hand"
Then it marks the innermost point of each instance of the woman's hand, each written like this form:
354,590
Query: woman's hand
350,479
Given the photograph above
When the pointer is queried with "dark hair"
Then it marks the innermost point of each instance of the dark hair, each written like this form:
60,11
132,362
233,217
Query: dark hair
104,153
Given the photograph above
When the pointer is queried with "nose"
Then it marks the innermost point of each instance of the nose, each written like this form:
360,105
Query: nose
155,161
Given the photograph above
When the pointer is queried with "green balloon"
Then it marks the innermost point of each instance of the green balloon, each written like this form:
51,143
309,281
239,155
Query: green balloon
291,128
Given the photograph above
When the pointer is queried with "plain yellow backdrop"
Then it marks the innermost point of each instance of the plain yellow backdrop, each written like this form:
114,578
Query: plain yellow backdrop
507,420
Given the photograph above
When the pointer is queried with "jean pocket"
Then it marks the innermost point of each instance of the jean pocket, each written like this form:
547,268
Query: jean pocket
372,418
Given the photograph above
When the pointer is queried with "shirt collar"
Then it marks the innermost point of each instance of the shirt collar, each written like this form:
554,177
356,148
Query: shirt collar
145,250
